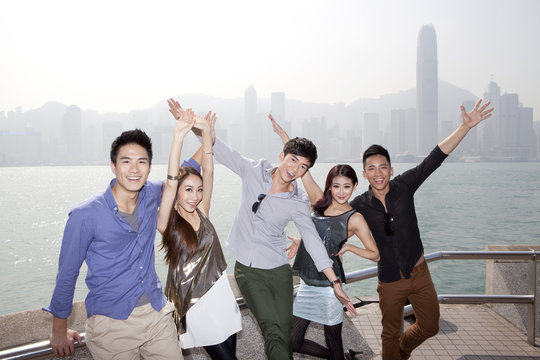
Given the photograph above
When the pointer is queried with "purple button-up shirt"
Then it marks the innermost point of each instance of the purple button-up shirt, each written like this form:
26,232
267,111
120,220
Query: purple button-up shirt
120,260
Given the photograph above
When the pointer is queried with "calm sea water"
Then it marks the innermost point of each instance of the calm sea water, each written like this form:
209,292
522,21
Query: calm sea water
460,207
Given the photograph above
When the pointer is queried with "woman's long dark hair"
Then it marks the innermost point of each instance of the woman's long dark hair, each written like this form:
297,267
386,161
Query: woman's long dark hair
179,235
338,170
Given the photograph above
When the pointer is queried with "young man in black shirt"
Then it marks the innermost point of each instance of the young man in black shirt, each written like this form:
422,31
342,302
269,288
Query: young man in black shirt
388,207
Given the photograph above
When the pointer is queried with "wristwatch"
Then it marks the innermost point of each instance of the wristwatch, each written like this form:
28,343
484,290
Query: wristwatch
332,283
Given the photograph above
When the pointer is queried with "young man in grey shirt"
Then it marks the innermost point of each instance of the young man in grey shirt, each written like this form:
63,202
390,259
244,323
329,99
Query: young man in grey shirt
270,200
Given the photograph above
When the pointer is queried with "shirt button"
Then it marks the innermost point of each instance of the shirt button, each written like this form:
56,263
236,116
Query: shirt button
140,268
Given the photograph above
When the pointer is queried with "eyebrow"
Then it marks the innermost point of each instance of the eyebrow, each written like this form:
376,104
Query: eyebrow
294,156
130,158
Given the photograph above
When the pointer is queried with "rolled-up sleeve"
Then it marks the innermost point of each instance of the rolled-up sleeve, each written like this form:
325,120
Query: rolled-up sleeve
75,244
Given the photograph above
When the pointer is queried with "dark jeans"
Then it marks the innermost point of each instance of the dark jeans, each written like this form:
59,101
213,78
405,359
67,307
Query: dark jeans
421,293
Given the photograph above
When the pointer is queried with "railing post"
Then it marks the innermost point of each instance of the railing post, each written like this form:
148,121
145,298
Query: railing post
531,308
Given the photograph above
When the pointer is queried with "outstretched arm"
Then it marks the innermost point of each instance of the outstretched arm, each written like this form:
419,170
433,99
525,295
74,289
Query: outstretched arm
359,227
182,127
207,162
176,110
470,120
313,190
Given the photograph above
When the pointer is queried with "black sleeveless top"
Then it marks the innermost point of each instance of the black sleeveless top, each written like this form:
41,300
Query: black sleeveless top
333,232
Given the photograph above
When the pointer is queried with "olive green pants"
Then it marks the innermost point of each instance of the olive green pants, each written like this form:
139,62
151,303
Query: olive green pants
269,295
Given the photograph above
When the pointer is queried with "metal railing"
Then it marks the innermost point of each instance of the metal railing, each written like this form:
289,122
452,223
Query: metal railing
42,348
528,299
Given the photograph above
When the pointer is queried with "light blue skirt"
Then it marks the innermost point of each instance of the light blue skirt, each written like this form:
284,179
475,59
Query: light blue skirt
319,304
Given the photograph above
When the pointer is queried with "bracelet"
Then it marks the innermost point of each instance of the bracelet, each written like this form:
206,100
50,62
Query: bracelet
209,153
171,177
332,283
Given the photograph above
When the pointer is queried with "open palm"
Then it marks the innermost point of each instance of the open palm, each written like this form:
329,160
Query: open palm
476,115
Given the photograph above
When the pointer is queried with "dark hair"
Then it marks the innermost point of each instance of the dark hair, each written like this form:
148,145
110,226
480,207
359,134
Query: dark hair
136,136
301,147
375,150
338,170
179,235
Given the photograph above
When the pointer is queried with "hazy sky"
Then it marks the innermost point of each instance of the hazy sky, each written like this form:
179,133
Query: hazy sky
127,55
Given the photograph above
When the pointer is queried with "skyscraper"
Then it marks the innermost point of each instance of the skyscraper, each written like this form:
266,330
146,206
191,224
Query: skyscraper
250,120
370,130
490,130
277,109
427,93
72,134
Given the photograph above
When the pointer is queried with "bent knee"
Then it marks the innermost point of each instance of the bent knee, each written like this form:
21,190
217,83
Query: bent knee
431,330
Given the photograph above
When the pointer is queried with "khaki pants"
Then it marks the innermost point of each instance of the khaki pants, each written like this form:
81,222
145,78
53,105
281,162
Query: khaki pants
421,293
145,333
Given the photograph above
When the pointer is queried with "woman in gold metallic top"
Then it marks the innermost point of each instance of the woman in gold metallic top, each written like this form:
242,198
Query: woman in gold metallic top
206,310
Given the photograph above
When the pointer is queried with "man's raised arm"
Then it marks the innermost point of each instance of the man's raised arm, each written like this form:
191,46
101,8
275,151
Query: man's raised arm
470,120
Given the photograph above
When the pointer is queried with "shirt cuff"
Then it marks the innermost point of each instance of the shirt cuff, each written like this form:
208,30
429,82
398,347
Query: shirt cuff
60,315
438,154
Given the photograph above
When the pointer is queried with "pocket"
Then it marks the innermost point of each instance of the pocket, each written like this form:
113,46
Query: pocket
168,308
97,327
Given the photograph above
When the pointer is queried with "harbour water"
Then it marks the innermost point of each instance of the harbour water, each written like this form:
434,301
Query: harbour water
462,206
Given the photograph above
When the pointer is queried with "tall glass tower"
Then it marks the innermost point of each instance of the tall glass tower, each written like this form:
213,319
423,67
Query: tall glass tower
427,90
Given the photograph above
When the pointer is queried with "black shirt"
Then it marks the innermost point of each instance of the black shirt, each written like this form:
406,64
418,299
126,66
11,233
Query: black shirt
402,250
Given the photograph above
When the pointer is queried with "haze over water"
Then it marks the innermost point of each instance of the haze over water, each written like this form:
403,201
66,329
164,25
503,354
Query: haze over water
462,206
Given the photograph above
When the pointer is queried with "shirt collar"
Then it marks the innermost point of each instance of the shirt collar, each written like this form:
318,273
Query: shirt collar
109,197
268,179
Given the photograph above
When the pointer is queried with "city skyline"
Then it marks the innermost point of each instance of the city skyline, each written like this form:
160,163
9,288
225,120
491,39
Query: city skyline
58,134
124,56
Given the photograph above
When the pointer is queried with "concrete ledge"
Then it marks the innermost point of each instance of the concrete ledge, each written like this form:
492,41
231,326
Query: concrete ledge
32,326
35,325
512,277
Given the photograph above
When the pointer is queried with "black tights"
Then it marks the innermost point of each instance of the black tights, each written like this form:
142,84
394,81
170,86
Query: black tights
309,347
224,351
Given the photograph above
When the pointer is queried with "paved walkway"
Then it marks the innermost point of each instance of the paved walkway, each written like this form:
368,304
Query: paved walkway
466,332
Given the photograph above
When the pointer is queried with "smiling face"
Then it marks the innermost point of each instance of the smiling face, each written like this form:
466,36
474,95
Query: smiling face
292,166
131,169
341,189
190,193
377,171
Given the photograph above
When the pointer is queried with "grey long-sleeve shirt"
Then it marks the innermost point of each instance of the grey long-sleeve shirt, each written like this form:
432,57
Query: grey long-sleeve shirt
258,239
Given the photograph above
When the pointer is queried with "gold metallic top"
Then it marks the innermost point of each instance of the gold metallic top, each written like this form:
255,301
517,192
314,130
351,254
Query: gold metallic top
193,277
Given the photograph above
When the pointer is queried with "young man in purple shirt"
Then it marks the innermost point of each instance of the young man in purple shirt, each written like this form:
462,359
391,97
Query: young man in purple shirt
128,315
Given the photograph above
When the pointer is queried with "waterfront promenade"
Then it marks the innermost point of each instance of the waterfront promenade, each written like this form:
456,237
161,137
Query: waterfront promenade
466,332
